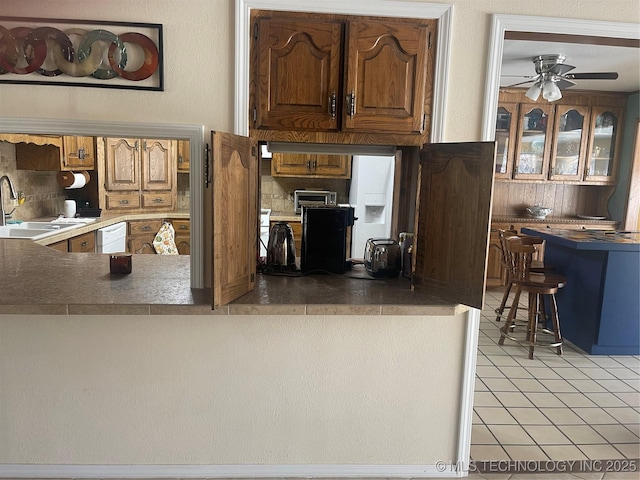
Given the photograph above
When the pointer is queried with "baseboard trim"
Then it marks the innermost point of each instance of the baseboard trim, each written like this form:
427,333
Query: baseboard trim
439,470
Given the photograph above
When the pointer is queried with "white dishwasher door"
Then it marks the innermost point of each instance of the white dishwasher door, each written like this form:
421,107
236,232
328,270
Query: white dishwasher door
112,239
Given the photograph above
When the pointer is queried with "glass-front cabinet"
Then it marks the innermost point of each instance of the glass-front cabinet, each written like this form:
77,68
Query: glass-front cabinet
569,142
505,138
533,149
603,144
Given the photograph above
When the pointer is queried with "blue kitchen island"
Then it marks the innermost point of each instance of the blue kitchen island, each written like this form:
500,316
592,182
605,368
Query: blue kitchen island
599,308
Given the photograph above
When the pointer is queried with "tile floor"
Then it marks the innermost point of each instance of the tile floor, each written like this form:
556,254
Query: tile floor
574,407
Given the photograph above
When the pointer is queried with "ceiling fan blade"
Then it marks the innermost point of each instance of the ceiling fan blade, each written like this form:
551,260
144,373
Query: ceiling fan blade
521,83
560,68
593,76
564,83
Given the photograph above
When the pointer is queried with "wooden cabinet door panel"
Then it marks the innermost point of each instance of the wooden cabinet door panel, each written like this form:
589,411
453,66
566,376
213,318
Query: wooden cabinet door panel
385,76
298,73
235,216
290,164
569,142
157,165
141,245
184,156
451,238
83,243
122,164
332,165
79,153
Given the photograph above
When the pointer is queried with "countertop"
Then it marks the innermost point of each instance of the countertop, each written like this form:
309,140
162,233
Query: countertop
590,239
37,279
104,221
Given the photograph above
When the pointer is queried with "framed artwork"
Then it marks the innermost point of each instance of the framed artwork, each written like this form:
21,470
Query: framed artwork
81,53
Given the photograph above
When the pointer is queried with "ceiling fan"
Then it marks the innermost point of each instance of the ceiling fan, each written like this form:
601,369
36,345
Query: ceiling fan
552,75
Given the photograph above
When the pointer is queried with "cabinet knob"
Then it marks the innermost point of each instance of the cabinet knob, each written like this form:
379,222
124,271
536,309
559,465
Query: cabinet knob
84,244
124,202
351,104
81,154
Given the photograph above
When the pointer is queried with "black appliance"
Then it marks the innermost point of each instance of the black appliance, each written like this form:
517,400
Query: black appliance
325,230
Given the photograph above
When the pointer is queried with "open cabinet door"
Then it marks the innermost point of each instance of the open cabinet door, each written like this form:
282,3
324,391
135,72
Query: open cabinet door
455,186
235,216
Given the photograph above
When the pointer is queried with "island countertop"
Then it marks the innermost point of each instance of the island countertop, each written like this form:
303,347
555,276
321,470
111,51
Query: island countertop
590,239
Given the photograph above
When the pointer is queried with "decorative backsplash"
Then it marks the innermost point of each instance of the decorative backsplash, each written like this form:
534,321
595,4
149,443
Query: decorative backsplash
43,196
277,192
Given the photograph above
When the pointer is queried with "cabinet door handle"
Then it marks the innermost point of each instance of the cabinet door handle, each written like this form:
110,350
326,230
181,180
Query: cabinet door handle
314,164
158,200
308,165
182,227
146,228
84,244
81,154
124,202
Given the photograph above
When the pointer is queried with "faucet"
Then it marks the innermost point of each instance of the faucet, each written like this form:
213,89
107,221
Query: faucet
12,193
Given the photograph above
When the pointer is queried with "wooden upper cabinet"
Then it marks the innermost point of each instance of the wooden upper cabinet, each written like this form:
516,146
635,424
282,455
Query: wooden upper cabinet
157,165
569,142
122,164
53,152
604,144
79,153
533,148
341,74
385,76
506,126
298,73
310,165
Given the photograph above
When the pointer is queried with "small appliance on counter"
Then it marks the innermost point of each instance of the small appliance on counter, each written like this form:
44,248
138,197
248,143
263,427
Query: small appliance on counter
382,257
305,198
325,233
281,249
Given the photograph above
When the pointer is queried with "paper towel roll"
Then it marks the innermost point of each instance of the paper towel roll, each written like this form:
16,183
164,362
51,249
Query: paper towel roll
71,180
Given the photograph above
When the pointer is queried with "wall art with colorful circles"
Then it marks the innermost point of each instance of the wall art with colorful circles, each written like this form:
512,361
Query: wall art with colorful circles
81,53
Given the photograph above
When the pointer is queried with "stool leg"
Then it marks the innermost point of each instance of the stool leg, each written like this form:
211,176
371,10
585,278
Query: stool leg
512,312
556,324
505,297
533,322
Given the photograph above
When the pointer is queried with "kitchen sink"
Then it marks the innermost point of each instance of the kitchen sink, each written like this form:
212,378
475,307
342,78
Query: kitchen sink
36,230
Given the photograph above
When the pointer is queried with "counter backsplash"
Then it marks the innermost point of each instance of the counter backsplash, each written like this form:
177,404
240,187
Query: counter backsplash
43,196
277,192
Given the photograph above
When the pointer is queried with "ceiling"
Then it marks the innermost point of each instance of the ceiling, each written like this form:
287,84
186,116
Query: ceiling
587,58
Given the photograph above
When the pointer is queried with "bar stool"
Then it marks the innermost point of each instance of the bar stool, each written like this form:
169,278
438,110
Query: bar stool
537,266
519,254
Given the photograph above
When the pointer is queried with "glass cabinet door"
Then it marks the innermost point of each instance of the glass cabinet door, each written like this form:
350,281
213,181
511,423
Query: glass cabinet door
533,150
567,156
505,138
601,165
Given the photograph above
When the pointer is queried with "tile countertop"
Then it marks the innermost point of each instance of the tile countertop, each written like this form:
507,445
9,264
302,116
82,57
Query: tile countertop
39,280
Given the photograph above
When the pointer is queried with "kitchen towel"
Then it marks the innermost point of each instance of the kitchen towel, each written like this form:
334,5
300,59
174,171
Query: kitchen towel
72,180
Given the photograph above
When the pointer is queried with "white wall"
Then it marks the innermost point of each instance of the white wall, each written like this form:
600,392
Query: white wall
198,53
229,389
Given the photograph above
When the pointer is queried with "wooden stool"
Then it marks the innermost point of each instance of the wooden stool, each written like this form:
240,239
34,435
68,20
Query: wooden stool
537,266
519,256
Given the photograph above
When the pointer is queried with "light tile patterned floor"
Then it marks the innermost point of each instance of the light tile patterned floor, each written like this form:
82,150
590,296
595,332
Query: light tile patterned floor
574,407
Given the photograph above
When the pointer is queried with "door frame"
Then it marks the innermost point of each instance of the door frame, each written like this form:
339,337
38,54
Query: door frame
521,23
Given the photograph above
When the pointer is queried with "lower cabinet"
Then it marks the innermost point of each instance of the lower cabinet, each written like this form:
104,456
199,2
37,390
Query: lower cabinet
182,228
141,234
61,246
83,243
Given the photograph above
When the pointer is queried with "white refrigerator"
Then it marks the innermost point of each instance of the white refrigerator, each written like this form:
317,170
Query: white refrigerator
371,195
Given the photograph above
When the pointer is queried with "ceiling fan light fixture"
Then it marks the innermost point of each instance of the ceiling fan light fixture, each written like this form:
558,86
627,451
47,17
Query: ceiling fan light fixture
534,92
551,91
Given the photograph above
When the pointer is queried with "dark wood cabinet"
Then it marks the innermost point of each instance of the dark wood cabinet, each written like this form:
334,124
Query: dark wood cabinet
310,165
329,73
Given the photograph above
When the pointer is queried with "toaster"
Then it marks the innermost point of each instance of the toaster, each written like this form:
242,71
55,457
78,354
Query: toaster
382,257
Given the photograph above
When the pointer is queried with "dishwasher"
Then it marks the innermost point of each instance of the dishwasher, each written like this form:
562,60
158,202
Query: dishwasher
112,239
